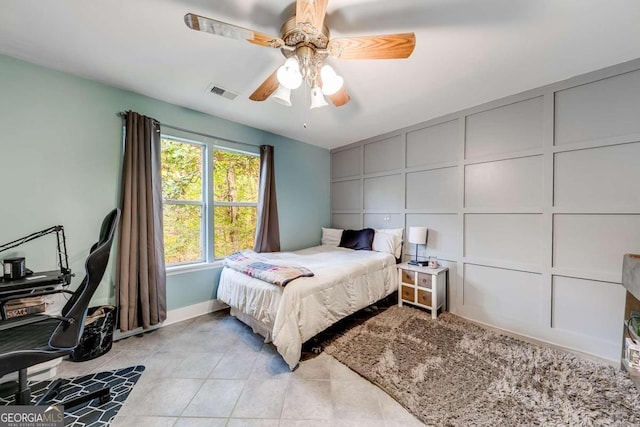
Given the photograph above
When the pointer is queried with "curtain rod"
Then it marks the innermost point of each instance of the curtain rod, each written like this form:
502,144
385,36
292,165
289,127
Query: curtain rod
122,115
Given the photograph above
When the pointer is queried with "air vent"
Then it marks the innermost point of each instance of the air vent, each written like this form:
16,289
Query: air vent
220,91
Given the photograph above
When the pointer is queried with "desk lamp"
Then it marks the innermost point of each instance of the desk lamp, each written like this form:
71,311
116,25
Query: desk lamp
418,236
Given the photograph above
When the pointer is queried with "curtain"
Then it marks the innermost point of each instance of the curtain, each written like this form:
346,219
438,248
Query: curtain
141,277
267,229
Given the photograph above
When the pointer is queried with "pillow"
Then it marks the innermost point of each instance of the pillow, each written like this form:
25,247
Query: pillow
383,242
380,240
357,239
331,236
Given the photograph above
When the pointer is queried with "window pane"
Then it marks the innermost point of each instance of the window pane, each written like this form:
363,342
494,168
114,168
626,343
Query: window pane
235,177
235,228
181,170
182,236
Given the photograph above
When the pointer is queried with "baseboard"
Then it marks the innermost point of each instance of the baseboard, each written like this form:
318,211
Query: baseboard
184,313
177,315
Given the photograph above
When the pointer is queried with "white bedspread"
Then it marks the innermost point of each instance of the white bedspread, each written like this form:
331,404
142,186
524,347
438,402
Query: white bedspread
345,281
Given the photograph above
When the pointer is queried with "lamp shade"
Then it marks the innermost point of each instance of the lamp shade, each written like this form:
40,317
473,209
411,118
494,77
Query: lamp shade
289,74
331,82
282,95
418,235
317,99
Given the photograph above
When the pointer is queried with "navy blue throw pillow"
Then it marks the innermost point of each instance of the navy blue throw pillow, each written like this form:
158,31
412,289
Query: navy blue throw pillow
357,239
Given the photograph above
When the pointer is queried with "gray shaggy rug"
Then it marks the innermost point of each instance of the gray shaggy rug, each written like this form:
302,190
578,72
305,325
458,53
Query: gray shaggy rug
451,372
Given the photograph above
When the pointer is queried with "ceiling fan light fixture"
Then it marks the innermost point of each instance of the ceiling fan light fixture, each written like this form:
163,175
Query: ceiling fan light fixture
317,99
331,82
282,95
289,74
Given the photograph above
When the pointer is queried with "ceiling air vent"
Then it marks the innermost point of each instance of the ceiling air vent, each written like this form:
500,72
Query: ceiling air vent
220,91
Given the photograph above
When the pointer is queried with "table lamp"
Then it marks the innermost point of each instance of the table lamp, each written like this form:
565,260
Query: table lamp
418,236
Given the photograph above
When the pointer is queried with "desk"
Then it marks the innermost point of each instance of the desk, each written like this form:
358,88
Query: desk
32,285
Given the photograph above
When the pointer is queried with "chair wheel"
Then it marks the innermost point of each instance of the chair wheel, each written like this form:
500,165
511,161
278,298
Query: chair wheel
104,399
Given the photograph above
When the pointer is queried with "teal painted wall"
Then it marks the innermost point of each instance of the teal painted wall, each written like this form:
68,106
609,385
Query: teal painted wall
61,158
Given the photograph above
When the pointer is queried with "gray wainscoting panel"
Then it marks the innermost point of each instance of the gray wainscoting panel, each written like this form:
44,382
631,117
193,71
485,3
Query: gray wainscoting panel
433,189
346,221
504,237
605,176
595,243
601,109
346,195
345,163
505,293
530,200
383,221
384,193
514,183
383,155
585,307
433,144
514,127
443,239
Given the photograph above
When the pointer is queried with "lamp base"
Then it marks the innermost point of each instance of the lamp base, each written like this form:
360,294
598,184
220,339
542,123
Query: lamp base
418,263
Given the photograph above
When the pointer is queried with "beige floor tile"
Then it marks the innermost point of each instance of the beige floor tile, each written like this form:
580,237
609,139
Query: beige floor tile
392,410
306,423
270,365
139,421
216,398
354,400
308,400
251,422
261,399
200,422
235,365
161,396
314,369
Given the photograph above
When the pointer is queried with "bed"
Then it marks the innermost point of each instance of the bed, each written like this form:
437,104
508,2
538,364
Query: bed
344,281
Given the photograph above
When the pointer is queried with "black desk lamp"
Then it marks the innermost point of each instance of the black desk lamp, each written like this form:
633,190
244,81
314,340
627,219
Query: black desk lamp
418,236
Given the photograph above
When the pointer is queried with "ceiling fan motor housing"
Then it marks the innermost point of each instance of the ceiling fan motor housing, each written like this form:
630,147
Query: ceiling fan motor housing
308,44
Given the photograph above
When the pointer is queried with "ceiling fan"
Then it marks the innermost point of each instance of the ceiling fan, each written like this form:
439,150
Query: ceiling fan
306,43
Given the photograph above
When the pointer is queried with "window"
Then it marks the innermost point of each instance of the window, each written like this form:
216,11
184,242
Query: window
210,197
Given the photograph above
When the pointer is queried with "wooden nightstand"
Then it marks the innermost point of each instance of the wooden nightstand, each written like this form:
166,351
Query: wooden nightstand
423,287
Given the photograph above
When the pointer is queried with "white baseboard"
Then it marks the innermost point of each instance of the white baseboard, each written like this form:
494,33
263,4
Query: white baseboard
177,315
191,311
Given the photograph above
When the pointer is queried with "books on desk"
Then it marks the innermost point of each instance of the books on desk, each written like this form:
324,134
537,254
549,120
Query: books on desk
23,306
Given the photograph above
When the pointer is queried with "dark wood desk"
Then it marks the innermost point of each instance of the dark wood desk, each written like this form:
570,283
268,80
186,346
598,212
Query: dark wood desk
38,283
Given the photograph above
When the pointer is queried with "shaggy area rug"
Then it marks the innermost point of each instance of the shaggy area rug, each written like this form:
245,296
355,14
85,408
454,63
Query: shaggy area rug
451,372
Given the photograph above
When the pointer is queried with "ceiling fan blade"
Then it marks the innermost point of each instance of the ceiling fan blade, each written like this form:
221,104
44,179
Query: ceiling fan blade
390,46
340,98
208,25
312,12
266,88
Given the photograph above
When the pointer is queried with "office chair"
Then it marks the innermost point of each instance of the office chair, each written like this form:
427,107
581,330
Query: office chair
30,340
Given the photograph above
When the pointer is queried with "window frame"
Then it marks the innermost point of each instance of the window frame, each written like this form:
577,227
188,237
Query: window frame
207,224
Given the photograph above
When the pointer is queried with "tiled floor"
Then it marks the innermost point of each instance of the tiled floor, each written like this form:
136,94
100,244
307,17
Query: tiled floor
214,371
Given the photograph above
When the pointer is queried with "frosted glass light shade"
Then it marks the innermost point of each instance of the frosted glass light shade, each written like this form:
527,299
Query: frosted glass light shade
317,100
418,235
289,74
282,95
331,82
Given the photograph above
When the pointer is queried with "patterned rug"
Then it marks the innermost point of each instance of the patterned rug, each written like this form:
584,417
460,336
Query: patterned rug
451,372
91,414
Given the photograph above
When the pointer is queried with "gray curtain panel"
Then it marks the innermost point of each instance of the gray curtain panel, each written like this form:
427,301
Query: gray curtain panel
141,277
267,229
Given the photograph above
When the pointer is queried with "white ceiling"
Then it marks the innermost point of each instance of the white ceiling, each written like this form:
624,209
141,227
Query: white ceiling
467,52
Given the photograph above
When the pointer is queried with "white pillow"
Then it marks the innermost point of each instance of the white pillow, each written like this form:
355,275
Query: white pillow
388,240
331,236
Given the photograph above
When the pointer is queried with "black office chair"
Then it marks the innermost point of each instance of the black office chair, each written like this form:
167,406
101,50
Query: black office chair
34,339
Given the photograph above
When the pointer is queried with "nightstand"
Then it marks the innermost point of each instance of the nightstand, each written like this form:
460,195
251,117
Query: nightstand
423,287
